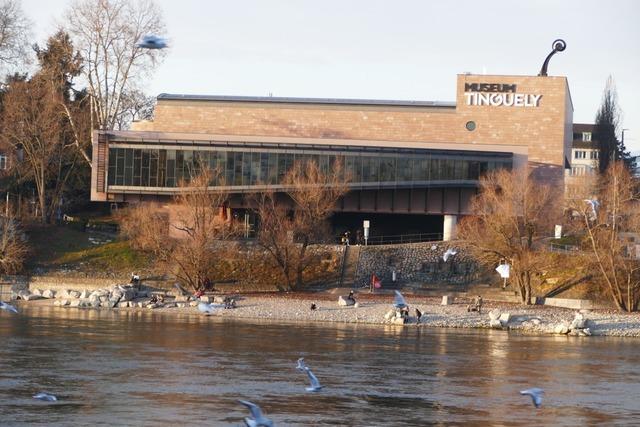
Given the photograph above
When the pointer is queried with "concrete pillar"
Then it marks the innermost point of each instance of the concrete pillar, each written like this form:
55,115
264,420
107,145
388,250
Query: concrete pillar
449,229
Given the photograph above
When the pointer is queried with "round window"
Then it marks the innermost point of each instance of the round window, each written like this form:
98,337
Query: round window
471,125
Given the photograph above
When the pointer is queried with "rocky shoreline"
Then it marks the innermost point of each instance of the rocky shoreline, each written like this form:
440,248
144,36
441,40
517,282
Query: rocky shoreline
371,309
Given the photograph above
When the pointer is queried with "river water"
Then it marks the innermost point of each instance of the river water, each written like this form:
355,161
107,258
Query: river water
126,368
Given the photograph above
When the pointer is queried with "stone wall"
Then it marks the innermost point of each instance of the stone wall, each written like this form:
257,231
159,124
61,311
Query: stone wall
416,263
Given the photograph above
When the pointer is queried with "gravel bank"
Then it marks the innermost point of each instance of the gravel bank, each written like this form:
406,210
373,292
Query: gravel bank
372,309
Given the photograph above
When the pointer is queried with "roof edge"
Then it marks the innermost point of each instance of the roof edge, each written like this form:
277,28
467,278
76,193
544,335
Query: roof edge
288,100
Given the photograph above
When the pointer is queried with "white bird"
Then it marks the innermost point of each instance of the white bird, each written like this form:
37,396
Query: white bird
536,395
152,42
315,384
594,206
301,365
8,307
399,301
258,420
449,253
207,309
46,397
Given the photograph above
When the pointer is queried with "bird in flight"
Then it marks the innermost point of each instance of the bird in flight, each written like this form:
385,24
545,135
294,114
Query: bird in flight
315,384
152,42
536,395
301,365
8,307
257,419
399,301
45,397
448,254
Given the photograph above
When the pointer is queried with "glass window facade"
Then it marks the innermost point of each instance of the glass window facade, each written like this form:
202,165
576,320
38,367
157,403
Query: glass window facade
145,167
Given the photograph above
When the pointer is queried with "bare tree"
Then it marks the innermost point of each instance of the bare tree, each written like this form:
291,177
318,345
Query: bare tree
13,246
31,123
610,223
135,106
35,123
512,217
289,224
107,33
190,237
14,33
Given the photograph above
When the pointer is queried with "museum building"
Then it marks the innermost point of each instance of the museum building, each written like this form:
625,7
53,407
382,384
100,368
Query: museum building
409,162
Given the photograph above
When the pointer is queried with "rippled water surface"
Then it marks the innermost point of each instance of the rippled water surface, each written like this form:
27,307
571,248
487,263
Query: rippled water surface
110,368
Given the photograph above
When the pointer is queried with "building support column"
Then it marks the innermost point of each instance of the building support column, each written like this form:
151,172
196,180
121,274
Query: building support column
449,228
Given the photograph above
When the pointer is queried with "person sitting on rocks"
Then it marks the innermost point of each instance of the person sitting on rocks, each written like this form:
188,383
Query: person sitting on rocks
229,303
404,312
476,306
135,279
351,298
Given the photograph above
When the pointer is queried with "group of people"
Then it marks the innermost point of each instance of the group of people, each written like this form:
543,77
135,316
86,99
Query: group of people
346,238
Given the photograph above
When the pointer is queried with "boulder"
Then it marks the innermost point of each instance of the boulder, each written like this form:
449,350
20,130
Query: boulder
399,320
495,324
74,303
219,299
169,304
586,332
23,294
447,300
561,328
536,321
504,318
128,294
73,294
37,292
31,297
356,305
95,303
84,294
63,294
205,298
494,314
185,298
181,304
389,314
64,302
345,301
142,294
193,303
49,294
103,298
57,303
578,322
141,304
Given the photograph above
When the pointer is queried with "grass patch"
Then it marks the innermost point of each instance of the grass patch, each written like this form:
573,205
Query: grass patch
56,246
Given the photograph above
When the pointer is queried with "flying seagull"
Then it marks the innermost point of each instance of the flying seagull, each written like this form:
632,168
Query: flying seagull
8,307
152,42
256,419
46,397
399,301
536,395
315,384
301,365
448,254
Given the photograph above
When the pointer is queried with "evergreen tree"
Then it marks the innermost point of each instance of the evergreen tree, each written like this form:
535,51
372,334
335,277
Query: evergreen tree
607,124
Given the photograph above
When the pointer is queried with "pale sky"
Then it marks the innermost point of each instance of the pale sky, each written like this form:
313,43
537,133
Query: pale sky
402,49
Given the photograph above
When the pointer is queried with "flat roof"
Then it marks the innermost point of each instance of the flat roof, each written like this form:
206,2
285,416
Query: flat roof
288,100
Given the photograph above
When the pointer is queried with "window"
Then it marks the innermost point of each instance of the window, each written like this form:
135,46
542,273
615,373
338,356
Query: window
586,136
4,164
580,154
594,155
